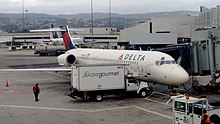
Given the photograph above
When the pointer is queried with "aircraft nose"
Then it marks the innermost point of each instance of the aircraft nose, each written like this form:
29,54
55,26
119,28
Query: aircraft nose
183,77
176,76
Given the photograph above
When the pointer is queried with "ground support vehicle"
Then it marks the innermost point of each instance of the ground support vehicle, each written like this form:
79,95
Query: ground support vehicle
95,81
189,110
45,50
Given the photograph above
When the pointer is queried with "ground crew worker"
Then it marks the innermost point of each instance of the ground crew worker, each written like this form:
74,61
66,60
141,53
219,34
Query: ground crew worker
206,119
36,91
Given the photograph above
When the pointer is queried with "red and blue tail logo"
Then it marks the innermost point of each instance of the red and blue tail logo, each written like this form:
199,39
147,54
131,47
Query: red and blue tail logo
68,43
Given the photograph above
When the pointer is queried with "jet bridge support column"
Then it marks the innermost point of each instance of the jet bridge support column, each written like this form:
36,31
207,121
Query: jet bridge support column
212,64
211,58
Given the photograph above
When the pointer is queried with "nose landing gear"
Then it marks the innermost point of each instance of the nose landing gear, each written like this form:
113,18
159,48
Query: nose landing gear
172,91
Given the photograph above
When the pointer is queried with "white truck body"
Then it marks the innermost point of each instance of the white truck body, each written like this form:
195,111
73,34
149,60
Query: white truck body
105,77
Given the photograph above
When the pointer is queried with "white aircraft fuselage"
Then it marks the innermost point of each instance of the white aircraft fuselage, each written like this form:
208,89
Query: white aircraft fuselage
152,66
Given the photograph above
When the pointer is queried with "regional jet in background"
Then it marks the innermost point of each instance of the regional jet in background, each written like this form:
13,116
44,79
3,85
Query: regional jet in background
56,38
148,66
55,46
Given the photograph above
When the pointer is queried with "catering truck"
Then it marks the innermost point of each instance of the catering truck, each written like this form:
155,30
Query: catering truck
95,81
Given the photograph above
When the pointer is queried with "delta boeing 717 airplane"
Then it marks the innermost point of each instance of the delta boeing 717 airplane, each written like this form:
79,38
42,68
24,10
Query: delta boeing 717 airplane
152,66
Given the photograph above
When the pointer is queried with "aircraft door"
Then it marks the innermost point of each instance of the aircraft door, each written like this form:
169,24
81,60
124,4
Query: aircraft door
148,68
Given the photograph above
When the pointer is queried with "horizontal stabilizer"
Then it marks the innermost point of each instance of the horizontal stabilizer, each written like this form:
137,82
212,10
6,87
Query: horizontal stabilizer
39,70
55,29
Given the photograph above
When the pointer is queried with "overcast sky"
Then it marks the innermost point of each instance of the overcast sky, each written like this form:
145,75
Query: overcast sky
117,6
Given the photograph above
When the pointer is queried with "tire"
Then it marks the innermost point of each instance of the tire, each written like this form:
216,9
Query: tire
98,97
143,93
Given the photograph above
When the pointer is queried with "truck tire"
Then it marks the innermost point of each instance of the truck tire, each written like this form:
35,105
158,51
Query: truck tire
98,97
143,93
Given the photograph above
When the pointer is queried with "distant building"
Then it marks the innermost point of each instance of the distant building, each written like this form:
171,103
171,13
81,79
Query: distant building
171,30
101,37
209,17
160,31
208,20
24,40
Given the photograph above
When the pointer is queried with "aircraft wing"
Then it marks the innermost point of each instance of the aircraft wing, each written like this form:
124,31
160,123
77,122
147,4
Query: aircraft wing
38,69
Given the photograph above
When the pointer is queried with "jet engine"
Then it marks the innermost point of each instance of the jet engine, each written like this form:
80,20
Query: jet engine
66,59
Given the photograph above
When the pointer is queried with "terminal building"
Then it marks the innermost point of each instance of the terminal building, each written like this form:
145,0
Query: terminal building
99,37
23,40
160,31
207,33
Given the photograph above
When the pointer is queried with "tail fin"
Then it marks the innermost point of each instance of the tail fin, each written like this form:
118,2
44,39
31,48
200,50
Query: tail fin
68,43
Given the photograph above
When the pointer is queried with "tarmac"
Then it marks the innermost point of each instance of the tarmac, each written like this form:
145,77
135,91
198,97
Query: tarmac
17,105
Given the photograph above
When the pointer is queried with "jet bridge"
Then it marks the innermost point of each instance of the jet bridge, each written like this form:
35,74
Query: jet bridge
201,57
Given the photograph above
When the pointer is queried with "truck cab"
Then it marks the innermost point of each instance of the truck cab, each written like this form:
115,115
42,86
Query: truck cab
139,87
189,110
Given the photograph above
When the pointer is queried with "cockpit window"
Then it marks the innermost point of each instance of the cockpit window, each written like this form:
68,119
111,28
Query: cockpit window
173,62
168,62
162,62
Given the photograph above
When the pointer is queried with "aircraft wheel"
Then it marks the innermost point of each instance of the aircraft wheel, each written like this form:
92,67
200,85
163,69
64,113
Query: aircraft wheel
143,93
98,97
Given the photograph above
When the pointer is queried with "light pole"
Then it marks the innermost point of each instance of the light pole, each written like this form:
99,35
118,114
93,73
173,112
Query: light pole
110,4
26,11
92,21
23,16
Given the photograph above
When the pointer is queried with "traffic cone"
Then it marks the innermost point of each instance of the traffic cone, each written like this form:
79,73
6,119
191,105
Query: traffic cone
6,83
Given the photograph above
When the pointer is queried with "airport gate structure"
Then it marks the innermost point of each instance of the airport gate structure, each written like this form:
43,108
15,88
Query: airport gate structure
201,56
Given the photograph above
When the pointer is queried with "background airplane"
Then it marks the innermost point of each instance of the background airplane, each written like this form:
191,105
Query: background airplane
56,37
